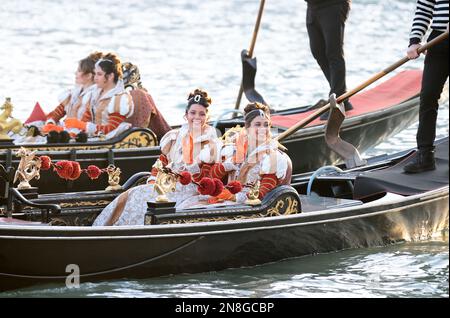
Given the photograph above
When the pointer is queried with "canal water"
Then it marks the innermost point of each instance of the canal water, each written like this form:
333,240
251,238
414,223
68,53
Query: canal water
180,45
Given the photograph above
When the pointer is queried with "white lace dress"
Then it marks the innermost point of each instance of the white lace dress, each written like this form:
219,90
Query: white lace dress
136,204
132,204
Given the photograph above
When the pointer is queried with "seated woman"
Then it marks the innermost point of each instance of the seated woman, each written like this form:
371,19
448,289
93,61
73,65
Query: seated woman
146,114
108,108
253,157
72,103
192,148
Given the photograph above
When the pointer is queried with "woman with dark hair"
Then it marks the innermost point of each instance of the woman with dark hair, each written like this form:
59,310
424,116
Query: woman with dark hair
110,105
72,103
192,148
253,157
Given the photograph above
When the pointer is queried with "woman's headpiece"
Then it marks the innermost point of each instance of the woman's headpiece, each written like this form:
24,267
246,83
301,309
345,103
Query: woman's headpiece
198,99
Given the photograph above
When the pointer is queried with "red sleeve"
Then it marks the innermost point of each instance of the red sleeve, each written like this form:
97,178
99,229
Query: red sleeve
205,171
267,183
218,171
58,113
114,120
87,115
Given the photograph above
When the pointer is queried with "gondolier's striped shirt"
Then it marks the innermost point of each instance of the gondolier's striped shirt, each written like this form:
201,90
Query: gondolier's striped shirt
428,11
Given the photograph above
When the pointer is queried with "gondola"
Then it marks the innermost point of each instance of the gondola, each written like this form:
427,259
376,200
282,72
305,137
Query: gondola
330,209
378,113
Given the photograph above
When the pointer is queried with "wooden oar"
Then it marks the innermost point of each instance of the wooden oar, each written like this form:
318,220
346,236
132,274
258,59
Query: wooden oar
352,92
252,47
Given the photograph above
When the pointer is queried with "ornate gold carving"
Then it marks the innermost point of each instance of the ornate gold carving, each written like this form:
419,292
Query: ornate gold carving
292,207
230,136
74,221
214,219
113,178
84,203
285,206
137,139
28,169
7,122
165,182
253,195
275,211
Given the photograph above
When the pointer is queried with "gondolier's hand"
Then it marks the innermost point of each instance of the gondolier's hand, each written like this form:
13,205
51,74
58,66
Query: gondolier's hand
412,51
75,123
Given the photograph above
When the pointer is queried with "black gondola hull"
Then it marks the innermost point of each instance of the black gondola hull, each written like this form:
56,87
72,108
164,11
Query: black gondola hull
37,255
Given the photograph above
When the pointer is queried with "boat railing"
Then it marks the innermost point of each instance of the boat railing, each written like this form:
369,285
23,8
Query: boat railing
16,196
227,112
282,200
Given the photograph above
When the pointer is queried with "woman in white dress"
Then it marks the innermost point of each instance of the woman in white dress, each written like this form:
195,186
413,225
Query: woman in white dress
110,105
252,157
72,102
192,148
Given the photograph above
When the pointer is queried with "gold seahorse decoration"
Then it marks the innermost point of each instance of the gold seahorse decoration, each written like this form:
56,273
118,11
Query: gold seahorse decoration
165,182
113,178
28,169
7,122
253,195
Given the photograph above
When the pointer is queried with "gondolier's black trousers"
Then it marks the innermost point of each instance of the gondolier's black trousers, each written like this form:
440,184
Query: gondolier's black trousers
435,73
326,38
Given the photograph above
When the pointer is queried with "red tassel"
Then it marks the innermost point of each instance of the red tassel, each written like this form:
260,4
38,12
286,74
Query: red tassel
234,187
93,172
46,162
64,169
206,186
76,172
185,178
218,187
68,170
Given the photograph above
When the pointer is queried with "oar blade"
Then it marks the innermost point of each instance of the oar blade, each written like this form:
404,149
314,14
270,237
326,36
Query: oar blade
249,69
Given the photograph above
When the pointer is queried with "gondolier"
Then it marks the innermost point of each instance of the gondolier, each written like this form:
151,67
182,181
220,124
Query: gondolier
325,22
435,74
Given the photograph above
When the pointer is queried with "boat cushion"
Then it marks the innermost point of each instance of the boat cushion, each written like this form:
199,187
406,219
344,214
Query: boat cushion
395,90
394,180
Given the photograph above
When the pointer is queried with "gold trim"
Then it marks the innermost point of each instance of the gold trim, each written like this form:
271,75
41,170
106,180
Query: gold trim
84,203
275,211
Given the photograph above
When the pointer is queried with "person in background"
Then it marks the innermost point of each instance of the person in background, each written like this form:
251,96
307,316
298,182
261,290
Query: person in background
108,108
72,103
325,22
435,74
254,157
146,114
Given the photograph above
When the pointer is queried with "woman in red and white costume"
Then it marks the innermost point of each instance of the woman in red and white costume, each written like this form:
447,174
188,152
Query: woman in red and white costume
253,157
192,147
110,105
72,102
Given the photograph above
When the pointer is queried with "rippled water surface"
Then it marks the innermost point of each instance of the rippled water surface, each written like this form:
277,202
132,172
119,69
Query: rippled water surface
179,45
